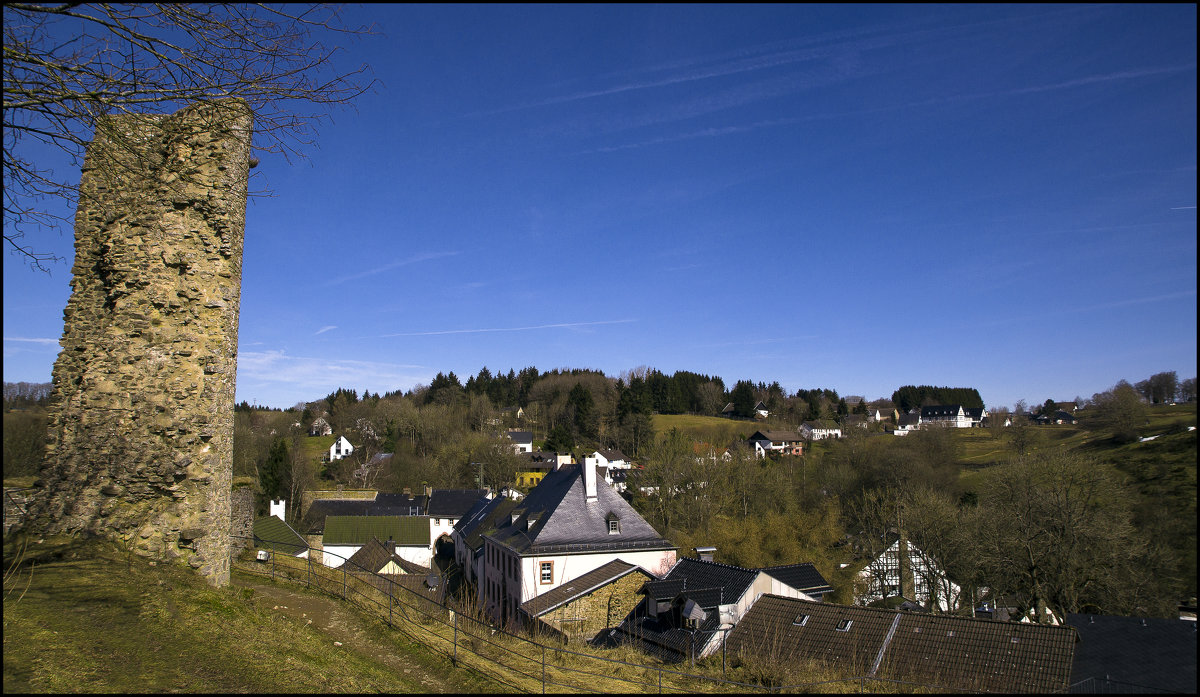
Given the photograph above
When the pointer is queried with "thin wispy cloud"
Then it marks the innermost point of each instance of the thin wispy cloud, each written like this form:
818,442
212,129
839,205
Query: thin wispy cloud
561,325
313,374
1184,208
29,340
720,131
427,256
322,330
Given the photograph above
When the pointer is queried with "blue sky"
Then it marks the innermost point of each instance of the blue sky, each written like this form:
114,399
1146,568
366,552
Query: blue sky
846,197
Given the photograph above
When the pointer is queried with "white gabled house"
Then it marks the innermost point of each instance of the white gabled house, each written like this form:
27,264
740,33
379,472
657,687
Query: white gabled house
612,465
913,574
780,442
818,430
341,448
568,525
522,441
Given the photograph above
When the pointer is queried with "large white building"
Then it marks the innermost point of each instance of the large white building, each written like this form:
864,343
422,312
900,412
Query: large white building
568,525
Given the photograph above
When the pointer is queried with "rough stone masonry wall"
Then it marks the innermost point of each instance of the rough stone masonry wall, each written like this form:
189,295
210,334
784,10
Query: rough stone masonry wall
141,420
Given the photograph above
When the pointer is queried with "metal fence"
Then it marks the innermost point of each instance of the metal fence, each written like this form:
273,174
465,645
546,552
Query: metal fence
524,662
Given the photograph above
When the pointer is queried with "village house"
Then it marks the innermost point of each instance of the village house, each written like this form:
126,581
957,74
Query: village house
341,448
612,466
445,508
912,575
378,557
950,416
320,427
687,613
947,651
776,443
591,603
318,506
907,424
536,464
408,537
819,430
522,441
568,525
879,413
976,415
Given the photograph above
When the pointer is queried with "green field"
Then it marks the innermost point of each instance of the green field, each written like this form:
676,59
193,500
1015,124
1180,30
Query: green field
713,430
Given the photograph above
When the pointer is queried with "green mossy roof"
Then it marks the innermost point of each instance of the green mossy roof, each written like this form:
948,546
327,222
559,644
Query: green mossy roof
358,530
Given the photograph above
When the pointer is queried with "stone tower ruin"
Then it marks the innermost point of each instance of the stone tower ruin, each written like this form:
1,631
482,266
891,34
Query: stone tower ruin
141,420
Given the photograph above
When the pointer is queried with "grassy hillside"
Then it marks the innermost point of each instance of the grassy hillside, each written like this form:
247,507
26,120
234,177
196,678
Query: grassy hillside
710,429
83,616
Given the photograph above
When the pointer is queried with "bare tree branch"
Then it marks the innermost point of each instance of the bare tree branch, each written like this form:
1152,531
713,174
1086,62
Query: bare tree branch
67,66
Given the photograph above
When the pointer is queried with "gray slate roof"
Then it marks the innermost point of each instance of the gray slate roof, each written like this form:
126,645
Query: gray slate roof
453,503
383,504
566,522
1116,653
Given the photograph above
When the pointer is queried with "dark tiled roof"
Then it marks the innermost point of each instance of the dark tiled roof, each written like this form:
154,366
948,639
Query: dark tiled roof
613,455
777,436
578,587
453,503
1159,654
358,530
940,410
375,555
520,436
802,577
962,653
382,505
659,636
272,533
484,520
538,460
696,574
566,522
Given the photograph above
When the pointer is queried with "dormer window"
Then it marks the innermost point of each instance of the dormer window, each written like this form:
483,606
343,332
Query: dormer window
614,524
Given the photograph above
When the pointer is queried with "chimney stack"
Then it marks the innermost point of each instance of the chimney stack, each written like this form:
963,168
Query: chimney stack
589,479
706,553
279,508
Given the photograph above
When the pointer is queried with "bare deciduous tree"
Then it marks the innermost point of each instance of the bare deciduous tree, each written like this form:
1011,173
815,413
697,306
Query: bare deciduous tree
68,66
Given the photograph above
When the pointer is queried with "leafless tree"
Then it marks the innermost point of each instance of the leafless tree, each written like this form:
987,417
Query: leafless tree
67,66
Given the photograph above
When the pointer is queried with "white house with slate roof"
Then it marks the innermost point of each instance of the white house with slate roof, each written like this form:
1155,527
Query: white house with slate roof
567,526
947,415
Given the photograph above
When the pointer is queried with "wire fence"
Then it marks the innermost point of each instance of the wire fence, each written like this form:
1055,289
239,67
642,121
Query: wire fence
419,608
